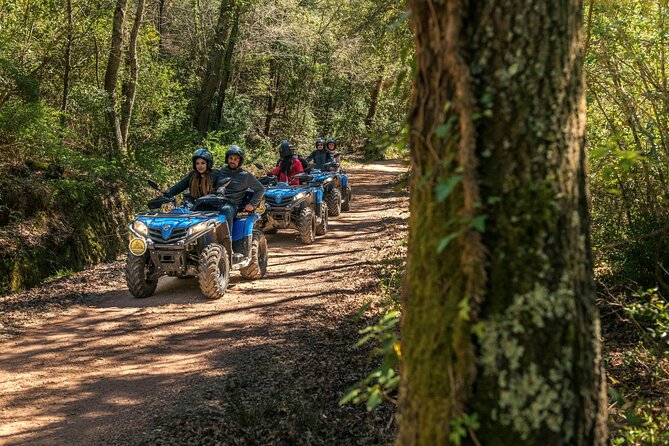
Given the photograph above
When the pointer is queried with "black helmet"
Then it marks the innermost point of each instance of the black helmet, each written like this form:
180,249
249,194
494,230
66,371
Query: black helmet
331,140
286,149
235,150
205,155
320,141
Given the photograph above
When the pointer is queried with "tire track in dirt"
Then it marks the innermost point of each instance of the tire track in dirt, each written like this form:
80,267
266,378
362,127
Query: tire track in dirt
98,374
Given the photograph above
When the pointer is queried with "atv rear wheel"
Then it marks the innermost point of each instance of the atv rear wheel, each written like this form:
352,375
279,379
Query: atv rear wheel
346,200
137,270
214,271
306,225
322,227
333,199
258,266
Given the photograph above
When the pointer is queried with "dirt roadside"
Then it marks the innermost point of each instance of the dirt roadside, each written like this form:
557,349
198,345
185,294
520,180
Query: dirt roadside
264,365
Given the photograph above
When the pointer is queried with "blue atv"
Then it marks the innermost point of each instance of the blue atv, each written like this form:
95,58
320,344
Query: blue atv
335,186
296,207
193,240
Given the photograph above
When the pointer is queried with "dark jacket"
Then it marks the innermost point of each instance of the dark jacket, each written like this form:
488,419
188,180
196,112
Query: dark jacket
241,180
320,157
184,184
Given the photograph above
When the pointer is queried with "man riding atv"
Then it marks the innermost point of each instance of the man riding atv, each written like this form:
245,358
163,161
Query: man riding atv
240,181
320,156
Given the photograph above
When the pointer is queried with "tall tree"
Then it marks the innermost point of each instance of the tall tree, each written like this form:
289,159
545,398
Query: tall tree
111,76
272,95
227,68
212,76
130,85
67,62
500,335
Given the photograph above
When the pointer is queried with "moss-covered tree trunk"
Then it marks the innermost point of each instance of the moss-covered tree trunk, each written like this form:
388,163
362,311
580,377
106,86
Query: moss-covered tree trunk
500,338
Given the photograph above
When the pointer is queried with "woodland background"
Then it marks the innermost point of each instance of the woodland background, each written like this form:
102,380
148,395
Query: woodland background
92,105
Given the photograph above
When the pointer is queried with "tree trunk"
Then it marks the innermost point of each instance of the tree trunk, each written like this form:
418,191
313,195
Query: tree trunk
130,86
67,63
272,93
369,119
212,76
499,321
227,69
163,6
111,76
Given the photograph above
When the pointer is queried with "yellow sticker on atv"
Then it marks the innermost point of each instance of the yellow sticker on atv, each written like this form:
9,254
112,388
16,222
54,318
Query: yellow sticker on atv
137,246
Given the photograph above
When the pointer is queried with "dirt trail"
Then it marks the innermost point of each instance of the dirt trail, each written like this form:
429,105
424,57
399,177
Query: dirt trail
97,373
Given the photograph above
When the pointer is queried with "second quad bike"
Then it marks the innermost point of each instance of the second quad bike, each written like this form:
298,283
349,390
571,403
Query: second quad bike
297,207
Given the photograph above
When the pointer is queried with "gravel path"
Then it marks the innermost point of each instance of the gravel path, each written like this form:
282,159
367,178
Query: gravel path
84,363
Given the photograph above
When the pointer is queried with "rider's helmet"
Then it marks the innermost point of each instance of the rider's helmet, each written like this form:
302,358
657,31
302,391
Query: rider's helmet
334,147
286,149
235,150
320,141
205,155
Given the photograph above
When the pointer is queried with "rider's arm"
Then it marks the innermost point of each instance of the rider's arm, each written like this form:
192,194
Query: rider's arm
276,170
258,189
180,186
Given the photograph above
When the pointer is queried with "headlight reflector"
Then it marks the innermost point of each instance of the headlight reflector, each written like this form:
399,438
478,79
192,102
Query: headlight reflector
299,196
140,228
198,227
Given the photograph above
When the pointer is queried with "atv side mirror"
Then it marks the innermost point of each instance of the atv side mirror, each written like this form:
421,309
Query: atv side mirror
224,182
259,166
153,185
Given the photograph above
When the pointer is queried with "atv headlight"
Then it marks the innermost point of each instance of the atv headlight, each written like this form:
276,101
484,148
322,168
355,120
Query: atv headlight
299,196
140,228
327,180
198,227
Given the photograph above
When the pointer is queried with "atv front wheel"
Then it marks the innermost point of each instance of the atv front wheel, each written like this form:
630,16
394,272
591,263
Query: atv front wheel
346,200
322,227
214,271
137,271
333,199
258,266
307,226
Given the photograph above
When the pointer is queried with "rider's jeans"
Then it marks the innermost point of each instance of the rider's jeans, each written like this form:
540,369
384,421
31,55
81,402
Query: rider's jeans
230,212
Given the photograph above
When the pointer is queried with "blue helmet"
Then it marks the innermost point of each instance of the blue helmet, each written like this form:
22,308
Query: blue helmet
235,150
205,155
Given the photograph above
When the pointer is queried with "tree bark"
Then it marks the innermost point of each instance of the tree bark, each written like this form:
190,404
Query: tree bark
67,63
130,85
499,320
373,103
212,76
111,76
163,6
272,93
227,69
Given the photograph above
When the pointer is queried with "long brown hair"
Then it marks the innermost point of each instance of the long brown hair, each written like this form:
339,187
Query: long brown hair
201,184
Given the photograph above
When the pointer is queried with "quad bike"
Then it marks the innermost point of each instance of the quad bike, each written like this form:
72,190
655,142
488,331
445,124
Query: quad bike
297,207
335,186
193,240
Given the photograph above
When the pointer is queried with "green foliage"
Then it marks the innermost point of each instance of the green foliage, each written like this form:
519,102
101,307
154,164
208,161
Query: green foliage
651,314
462,427
378,385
